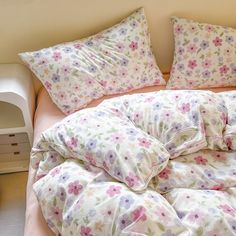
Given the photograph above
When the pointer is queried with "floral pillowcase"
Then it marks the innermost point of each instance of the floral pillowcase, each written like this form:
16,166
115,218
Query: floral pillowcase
205,55
113,61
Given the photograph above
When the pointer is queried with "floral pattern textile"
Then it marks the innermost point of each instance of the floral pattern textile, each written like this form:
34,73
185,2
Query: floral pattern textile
230,130
113,61
108,170
204,55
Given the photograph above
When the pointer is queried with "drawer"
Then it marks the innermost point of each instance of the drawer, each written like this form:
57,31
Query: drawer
14,147
14,138
14,156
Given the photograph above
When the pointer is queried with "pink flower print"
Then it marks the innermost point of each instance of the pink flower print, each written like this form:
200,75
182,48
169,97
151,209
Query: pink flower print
89,157
229,142
114,190
179,29
133,45
62,95
139,214
73,143
206,64
55,171
56,56
120,46
192,48
219,156
48,85
218,187
192,64
78,46
56,213
85,231
138,116
89,82
185,107
164,174
209,28
117,138
75,187
200,160
163,215
144,142
195,216
132,180
103,83
65,70
217,41
228,209
224,69
123,73
167,115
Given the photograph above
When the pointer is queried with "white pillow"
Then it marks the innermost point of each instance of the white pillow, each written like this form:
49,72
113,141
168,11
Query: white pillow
116,60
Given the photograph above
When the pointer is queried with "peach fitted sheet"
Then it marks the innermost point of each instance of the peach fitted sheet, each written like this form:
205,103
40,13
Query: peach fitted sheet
46,115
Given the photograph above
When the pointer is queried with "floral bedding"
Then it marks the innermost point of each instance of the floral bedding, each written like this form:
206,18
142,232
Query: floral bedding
159,163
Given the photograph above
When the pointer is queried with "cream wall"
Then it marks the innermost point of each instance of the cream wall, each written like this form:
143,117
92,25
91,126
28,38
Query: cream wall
34,24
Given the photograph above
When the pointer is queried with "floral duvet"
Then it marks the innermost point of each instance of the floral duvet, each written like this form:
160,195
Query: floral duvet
161,163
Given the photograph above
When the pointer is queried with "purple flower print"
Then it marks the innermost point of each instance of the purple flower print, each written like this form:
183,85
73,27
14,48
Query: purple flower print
170,147
233,225
131,132
168,233
133,24
126,201
55,78
67,49
157,106
75,188
91,144
92,69
206,74
111,156
68,219
229,39
124,62
63,178
180,67
210,174
89,43
204,44
118,173
61,193
123,31
124,221
176,126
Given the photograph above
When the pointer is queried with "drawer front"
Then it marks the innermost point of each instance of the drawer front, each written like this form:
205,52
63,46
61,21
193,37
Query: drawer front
14,138
14,148
14,156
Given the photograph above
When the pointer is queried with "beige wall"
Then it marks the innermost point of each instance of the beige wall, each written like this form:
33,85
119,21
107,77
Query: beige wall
34,24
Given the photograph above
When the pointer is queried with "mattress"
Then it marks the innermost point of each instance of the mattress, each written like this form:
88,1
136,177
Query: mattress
46,115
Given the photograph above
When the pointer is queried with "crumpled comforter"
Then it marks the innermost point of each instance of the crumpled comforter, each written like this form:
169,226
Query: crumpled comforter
160,163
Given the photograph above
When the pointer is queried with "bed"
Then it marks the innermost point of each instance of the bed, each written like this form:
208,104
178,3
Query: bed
46,115
121,150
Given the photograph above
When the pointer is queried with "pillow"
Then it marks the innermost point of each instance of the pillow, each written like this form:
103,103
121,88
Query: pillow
205,55
113,61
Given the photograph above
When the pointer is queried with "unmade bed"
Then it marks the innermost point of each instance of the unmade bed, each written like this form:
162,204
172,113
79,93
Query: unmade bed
47,114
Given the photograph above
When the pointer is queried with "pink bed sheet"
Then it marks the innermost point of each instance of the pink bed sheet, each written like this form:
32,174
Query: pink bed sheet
46,115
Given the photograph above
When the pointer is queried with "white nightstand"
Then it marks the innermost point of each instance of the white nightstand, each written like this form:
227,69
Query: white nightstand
17,104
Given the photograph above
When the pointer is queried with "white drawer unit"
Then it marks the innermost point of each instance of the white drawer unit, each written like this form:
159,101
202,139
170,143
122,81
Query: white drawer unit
17,101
